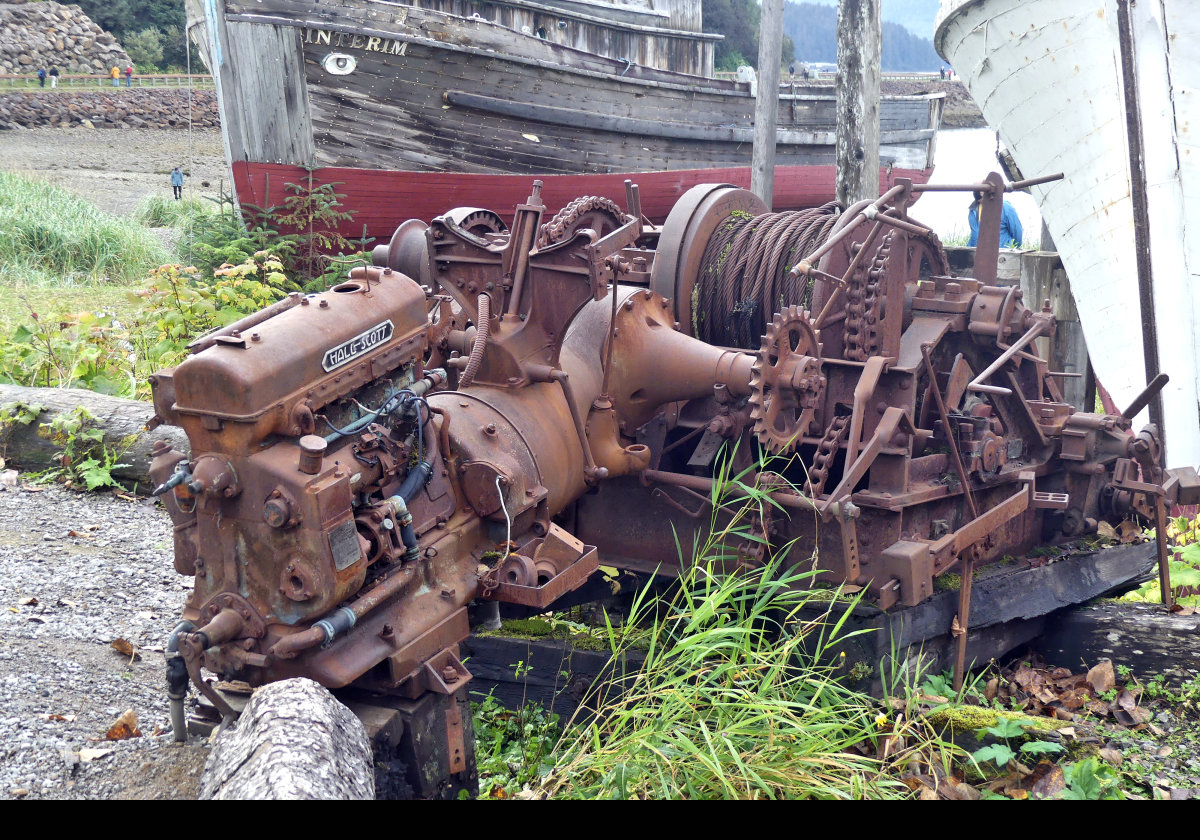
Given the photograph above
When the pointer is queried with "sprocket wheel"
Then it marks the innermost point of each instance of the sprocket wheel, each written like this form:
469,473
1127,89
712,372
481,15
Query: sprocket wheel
602,215
786,382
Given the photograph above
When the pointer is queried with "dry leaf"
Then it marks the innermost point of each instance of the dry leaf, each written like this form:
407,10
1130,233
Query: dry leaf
92,753
1111,756
124,727
1101,678
1049,781
1128,532
67,718
123,647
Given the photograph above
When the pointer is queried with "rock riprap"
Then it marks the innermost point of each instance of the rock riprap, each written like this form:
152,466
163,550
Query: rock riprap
110,108
49,34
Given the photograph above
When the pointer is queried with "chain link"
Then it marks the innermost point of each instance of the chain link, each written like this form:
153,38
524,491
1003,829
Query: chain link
863,302
827,450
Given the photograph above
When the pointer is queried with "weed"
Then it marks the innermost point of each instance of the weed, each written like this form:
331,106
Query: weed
84,457
512,747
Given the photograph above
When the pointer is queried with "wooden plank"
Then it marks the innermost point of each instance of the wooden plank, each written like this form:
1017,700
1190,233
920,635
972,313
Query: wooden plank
1140,636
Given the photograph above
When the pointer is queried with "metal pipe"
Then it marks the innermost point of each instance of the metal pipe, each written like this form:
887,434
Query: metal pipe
252,320
177,680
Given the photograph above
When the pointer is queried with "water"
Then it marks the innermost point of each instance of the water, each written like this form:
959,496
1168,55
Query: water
965,156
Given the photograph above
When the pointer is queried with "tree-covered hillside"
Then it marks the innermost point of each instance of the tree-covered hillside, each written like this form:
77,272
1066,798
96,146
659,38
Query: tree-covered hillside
152,31
738,21
813,29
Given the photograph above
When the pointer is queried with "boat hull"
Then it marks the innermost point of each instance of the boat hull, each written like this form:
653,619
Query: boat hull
380,197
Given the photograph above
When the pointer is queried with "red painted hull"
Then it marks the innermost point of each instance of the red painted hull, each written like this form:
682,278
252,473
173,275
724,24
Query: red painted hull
382,199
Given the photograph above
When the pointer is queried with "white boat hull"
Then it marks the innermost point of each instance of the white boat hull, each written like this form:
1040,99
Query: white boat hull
1047,76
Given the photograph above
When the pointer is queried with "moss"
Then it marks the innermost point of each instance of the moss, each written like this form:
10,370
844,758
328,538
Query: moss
947,582
536,628
973,718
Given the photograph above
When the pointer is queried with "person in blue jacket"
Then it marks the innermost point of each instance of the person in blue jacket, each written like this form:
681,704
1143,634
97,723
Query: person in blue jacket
1011,233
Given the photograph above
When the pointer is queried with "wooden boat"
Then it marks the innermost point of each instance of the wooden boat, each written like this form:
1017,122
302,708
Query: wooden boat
417,108
1050,77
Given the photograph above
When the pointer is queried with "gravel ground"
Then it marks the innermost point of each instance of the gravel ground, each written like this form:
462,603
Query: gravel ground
117,168
76,573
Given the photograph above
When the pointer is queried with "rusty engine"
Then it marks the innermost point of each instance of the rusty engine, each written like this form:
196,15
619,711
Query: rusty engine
488,411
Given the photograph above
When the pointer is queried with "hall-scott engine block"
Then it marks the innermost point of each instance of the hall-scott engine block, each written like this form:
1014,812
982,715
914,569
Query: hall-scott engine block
489,411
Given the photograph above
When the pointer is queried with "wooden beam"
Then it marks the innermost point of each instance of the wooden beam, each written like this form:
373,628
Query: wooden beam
770,47
858,39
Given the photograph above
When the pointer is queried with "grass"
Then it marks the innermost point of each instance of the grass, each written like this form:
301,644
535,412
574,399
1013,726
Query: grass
736,699
48,237
155,211
21,298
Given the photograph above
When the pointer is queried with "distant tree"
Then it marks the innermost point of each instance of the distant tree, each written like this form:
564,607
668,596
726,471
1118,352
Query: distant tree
814,29
144,47
115,16
738,21
128,20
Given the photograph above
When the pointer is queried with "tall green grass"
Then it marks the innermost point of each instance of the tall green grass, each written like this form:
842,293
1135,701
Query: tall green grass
737,698
157,211
50,237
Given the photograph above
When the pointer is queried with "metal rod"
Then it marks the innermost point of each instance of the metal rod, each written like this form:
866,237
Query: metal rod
1141,211
1033,182
964,617
1143,399
976,384
944,416
1160,544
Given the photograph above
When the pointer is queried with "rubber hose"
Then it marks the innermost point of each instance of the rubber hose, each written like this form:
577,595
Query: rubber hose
482,327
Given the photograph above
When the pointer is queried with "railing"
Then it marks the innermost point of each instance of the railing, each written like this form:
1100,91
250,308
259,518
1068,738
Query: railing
76,81
829,76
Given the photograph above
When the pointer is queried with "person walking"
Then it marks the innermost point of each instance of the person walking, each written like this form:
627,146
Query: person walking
1011,233
41,77
53,77
129,75
116,76
177,182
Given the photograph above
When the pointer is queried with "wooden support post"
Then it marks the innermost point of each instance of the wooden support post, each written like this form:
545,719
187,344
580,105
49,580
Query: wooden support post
766,105
858,45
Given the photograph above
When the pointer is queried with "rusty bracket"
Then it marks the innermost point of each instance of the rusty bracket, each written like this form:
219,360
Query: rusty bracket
895,422
190,650
456,747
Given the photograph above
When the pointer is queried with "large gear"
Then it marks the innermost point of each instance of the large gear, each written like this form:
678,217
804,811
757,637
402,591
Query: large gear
786,382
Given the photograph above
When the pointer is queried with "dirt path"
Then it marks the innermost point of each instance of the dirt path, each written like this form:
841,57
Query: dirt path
116,168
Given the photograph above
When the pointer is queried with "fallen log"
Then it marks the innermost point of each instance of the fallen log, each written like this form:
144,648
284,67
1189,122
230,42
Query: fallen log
31,445
1142,637
293,741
